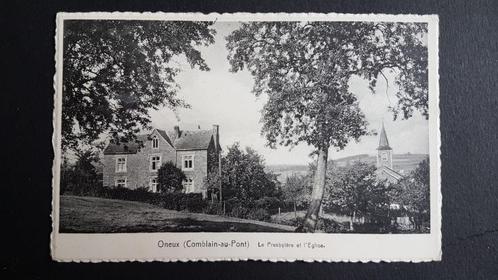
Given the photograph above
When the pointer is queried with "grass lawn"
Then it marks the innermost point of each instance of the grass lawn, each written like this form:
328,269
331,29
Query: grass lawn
80,214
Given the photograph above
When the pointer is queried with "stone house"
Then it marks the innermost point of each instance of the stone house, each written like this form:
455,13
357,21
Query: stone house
134,165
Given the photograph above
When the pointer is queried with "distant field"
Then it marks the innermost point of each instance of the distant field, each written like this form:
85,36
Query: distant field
98,215
405,162
408,162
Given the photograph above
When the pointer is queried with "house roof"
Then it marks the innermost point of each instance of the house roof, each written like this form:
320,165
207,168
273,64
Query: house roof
383,142
165,136
193,140
188,140
126,148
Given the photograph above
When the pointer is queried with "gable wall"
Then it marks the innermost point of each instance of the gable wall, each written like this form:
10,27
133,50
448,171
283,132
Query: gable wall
138,171
199,172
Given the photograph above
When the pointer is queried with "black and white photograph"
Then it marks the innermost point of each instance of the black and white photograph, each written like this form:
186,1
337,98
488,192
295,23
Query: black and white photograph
250,139
315,126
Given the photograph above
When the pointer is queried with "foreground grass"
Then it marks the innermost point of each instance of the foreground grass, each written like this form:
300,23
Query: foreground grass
79,214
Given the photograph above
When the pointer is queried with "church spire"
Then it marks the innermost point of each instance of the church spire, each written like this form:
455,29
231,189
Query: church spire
383,142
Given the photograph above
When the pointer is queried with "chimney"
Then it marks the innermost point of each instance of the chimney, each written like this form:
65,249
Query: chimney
177,131
216,134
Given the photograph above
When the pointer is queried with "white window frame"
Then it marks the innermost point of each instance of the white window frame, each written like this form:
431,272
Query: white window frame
155,142
125,164
184,159
188,185
159,163
153,186
121,178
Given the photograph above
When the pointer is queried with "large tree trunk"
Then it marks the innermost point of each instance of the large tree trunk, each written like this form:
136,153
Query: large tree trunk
311,218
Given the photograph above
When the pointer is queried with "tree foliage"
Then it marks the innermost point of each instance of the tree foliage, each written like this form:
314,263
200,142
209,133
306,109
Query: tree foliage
355,190
304,68
414,190
114,71
297,189
170,178
82,177
244,176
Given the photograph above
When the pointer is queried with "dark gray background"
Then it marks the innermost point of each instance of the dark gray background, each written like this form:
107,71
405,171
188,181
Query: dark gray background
469,101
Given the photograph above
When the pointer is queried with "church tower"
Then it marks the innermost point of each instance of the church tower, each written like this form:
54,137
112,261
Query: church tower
384,151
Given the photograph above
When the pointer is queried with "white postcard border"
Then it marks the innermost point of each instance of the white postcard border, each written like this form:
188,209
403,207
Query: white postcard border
338,247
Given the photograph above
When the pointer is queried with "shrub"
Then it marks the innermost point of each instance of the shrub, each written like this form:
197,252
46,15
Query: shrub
259,214
140,194
239,211
232,203
156,199
87,190
82,177
193,202
269,203
170,177
369,228
171,201
330,226
214,209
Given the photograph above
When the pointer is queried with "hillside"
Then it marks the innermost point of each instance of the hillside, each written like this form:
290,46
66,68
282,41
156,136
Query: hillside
404,163
80,214
284,171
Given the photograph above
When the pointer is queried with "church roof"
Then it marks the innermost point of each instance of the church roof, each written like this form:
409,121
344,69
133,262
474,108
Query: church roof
389,172
383,142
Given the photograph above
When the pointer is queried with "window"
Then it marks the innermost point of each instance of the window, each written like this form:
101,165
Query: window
384,156
188,185
121,164
121,182
155,163
155,142
153,183
188,162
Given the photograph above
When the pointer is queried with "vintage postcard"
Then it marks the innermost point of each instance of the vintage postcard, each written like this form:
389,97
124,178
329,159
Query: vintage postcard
280,137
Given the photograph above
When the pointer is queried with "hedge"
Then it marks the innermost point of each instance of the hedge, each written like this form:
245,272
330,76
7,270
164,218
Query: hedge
260,209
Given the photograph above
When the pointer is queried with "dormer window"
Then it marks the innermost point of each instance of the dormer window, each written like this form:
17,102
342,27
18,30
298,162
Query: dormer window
155,142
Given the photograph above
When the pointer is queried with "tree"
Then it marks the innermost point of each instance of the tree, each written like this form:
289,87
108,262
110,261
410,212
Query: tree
296,190
116,70
355,190
243,176
304,69
413,192
81,177
170,178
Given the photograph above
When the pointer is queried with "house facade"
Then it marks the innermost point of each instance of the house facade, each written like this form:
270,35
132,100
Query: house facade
134,165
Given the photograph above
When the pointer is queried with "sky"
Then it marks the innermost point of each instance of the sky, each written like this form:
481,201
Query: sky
221,97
